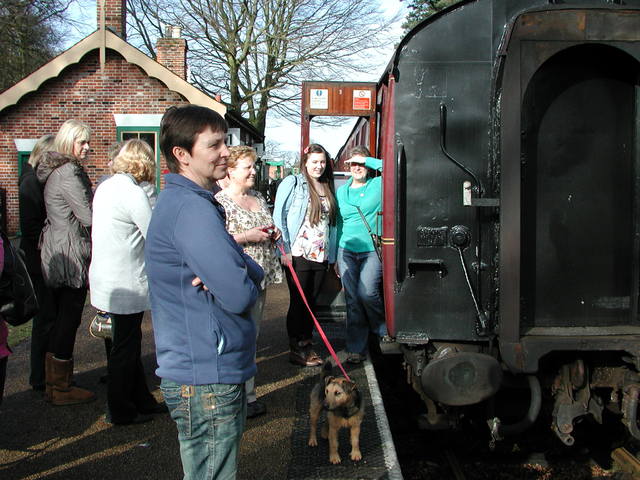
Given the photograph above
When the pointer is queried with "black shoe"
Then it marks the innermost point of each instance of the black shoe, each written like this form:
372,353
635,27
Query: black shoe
356,358
103,378
157,408
38,388
255,409
297,357
139,418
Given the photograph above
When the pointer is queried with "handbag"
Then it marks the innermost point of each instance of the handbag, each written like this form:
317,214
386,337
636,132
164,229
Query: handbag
18,301
101,325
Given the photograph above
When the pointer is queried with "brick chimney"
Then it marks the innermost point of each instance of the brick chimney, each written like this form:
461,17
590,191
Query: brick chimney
171,51
115,16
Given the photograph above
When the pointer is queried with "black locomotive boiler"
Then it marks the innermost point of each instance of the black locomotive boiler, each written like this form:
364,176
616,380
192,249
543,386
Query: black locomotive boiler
510,133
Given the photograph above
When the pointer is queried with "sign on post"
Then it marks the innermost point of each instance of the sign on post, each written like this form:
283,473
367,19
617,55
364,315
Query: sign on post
319,98
362,99
339,99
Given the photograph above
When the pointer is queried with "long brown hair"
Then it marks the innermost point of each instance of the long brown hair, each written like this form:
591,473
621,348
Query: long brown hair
326,178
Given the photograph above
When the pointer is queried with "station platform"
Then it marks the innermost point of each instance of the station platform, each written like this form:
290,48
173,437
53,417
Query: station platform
39,441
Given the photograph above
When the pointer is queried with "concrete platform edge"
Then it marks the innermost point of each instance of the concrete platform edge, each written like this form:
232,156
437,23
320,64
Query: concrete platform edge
390,456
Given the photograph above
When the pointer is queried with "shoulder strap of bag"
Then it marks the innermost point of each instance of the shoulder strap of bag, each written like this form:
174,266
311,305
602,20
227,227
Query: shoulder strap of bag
374,237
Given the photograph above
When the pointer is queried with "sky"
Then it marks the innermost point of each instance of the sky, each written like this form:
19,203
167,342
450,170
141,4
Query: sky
285,133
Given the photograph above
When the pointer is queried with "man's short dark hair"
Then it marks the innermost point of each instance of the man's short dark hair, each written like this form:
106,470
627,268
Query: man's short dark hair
180,126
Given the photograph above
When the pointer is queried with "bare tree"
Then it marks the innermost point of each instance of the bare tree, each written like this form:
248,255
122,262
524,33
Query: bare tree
256,53
29,36
273,151
144,25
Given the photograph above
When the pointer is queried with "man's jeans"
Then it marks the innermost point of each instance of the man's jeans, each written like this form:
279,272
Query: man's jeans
361,275
210,421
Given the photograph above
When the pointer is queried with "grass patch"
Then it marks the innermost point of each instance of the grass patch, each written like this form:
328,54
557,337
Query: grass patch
19,334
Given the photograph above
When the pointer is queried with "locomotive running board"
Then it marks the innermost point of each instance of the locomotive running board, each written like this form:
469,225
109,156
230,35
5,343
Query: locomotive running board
524,356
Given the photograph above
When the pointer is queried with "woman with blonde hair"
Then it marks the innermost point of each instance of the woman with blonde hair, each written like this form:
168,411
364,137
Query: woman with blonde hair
65,253
249,221
121,214
32,217
305,211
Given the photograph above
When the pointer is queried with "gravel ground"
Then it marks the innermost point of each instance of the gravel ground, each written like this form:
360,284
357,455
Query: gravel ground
66,443
38,440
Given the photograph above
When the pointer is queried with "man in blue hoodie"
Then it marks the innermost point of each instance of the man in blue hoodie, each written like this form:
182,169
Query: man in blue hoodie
205,339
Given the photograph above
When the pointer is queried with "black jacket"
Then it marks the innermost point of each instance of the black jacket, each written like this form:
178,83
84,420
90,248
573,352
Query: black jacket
32,217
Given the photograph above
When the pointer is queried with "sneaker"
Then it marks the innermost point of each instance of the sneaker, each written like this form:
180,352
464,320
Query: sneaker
313,359
305,358
255,409
297,357
355,358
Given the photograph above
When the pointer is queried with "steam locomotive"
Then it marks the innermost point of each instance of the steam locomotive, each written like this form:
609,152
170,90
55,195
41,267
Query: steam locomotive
510,133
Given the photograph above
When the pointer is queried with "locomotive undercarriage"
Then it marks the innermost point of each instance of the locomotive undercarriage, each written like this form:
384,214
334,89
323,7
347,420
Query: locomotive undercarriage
572,386
580,388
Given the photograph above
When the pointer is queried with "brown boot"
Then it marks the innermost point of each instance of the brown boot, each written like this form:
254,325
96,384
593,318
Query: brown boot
48,362
62,392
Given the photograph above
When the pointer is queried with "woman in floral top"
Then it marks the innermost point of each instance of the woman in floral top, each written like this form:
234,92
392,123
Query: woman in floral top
249,221
305,212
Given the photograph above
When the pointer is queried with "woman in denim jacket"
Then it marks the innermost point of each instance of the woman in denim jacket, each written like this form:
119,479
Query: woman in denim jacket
305,212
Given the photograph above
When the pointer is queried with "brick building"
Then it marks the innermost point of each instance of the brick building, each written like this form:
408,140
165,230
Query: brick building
110,85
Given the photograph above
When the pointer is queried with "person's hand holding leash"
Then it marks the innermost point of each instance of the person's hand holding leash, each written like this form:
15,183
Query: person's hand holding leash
286,259
254,235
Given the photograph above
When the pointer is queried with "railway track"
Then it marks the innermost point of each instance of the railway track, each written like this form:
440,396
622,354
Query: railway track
627,462
454,465
467,455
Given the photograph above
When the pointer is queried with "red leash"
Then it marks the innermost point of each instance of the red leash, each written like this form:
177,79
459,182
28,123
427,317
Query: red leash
315,321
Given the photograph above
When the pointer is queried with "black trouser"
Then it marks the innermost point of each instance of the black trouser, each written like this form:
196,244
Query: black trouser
127,391
3,375
41,328
311,274
69,303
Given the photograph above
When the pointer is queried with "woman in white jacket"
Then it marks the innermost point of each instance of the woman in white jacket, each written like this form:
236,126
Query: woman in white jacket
118,280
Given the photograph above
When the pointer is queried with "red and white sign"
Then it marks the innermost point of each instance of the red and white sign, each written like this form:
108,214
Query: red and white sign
362,99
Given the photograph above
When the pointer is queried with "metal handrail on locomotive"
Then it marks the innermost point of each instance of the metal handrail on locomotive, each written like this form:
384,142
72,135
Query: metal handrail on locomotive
510,134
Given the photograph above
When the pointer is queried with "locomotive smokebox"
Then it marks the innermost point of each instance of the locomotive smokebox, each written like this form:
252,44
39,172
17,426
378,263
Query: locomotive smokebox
463,378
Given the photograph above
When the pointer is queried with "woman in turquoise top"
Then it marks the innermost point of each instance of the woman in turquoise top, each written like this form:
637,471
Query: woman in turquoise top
358,263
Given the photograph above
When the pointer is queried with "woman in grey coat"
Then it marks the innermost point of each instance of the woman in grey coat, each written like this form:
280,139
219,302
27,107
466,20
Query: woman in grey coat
65,253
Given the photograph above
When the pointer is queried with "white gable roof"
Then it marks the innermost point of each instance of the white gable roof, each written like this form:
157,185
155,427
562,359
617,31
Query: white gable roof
54,67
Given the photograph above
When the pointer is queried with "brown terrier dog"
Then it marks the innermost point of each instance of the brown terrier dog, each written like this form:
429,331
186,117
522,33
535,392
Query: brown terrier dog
345,409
